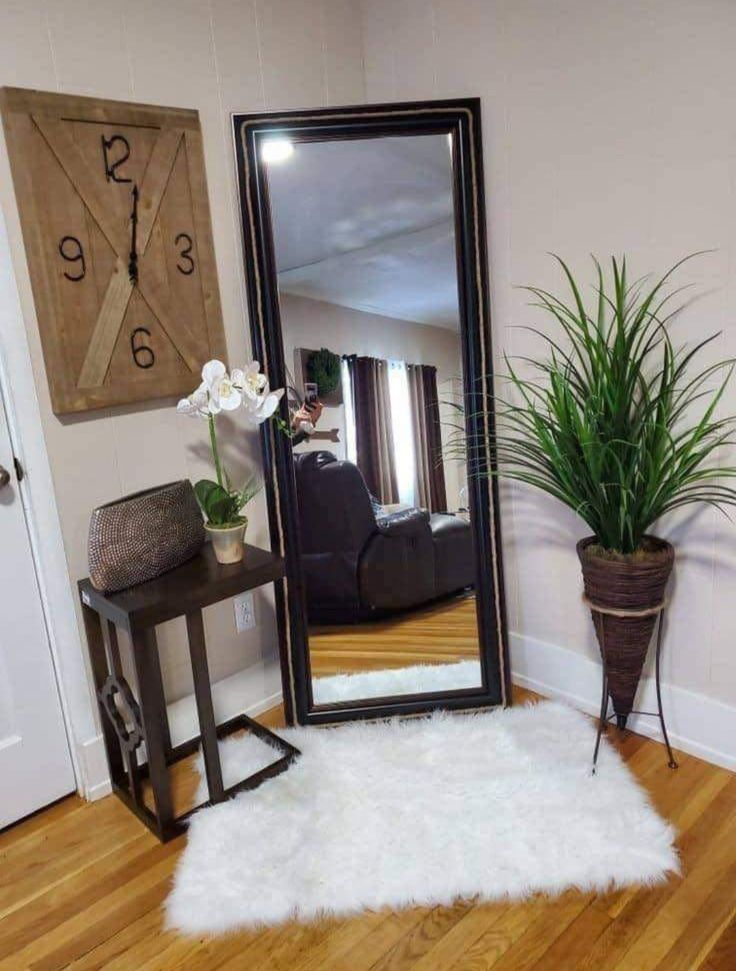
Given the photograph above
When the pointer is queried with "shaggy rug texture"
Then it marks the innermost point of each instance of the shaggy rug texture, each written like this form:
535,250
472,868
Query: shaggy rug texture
418,812
417,679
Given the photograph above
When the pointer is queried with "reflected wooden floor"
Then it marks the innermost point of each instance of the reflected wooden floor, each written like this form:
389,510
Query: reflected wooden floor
82,887
437,634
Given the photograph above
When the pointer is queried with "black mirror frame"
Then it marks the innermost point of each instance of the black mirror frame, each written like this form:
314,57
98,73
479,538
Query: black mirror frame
461,118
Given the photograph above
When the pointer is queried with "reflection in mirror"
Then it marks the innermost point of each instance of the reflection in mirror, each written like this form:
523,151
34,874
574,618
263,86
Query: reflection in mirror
364,238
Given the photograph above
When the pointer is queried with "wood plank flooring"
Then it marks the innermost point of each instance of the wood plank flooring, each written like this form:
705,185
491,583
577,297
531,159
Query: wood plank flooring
81,887
436,634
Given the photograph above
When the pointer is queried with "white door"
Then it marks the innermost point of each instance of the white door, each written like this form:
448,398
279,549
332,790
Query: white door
35,764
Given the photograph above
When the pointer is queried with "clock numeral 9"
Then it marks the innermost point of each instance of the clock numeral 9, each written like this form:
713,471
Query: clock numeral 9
143,355
71,250
111,167
185,254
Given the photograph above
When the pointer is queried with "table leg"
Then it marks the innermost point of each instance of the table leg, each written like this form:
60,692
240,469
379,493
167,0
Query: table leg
158,683
155,723
205,711
98,658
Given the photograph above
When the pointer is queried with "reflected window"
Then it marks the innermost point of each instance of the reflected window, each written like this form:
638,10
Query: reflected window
351,448
403,436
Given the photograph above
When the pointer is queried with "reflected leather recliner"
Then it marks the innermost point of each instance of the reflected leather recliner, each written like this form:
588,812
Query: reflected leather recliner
357,564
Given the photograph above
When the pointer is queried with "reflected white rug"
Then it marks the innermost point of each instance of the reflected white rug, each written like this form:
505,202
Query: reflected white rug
418,812
417,679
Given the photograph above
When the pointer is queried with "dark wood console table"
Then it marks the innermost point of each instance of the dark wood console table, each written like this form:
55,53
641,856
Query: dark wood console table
128,722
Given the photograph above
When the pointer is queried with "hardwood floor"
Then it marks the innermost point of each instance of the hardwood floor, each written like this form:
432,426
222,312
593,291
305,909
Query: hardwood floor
81,887
436,634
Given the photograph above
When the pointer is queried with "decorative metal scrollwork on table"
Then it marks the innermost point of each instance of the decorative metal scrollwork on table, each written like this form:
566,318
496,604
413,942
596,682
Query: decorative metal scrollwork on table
130,738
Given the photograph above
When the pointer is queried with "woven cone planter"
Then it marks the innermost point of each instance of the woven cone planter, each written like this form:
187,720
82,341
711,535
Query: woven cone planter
625,585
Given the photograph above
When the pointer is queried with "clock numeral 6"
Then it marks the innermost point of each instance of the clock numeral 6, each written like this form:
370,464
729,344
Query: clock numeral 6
71,250
184,254
112,166
143,355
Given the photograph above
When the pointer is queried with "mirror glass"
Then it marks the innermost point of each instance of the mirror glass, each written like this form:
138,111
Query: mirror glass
364,239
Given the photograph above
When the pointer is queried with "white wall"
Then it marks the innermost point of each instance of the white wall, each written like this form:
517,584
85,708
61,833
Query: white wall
308,323
608,128
218,57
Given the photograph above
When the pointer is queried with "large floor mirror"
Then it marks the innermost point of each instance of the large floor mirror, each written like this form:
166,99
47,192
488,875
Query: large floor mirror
365,258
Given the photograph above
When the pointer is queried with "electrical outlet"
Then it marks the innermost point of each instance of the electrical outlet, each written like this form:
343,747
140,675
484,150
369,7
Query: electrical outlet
245,615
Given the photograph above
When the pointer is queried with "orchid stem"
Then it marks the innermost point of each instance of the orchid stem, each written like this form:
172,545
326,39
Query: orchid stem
215,453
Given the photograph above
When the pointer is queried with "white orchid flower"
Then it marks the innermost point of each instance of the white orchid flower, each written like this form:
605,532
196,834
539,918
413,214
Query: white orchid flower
196,404
251,381
223,395
260,409
220,391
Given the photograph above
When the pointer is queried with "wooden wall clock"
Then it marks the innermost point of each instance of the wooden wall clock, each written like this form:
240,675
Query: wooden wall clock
116,224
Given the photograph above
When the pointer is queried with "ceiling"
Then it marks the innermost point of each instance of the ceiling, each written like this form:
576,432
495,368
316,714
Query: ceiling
368,224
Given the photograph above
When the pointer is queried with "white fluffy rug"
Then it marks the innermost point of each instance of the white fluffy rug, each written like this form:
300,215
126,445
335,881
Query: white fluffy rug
418,678
418,812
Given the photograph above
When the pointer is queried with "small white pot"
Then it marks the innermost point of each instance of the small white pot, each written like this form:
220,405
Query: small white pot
228,542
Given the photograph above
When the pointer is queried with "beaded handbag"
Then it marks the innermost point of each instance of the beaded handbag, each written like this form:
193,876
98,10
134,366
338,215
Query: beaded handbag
143,535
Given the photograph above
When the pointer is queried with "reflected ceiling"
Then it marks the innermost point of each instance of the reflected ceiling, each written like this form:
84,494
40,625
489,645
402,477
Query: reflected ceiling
367,223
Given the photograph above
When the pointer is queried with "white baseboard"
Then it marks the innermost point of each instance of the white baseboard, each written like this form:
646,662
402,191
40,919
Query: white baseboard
94,769
699,725
252,691
241,692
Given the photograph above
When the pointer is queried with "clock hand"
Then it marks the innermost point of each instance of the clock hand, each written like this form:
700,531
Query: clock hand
133,262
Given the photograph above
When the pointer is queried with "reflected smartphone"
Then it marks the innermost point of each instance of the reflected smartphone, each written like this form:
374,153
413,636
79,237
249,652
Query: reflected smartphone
310,393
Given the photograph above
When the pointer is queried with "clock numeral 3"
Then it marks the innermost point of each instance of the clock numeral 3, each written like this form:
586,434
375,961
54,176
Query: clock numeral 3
184,254
143,355
71,250
111,167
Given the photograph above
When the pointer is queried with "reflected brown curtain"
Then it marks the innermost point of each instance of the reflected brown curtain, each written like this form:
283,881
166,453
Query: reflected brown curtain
425,419
373,435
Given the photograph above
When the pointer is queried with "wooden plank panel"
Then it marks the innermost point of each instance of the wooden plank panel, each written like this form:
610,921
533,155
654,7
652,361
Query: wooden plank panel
206,243
105,335
21,135
185,290
29,100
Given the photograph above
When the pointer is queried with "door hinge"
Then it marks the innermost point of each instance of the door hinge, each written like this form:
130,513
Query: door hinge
19,473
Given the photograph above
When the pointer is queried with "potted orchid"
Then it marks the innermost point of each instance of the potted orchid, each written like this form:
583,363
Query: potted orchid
246,391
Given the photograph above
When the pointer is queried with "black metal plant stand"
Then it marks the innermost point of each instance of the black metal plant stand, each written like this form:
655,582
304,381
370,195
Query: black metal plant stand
604,717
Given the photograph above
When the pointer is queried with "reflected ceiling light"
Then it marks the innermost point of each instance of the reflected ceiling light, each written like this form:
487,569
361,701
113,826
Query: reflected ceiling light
276,150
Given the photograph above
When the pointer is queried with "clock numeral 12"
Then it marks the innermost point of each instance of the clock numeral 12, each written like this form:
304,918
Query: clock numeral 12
72,251
185,254
143,355
112,167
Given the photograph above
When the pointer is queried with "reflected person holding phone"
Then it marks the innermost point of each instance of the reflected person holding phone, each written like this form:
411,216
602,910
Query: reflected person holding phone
304,420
